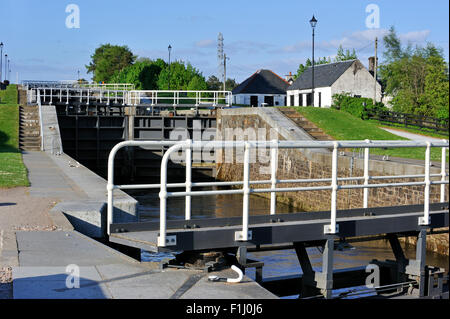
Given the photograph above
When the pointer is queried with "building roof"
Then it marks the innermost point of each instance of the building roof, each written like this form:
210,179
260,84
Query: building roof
262,82
324,75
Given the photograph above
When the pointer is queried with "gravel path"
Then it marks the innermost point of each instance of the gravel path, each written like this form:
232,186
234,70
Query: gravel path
20,211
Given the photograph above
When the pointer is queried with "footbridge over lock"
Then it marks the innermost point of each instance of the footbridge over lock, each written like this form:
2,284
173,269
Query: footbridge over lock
299,230
93,118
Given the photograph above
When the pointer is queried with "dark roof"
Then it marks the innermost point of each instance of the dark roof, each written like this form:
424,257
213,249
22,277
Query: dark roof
262,82
324,75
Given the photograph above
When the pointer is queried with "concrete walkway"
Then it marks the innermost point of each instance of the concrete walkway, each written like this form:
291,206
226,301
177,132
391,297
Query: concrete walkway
412,136
106,273
40,256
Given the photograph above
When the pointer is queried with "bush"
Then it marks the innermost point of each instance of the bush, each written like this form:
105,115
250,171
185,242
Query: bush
356,106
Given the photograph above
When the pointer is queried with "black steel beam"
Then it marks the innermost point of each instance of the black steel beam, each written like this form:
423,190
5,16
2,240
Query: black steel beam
275,219
278,233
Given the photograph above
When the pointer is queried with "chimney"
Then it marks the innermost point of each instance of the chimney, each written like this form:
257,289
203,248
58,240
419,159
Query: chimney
289,78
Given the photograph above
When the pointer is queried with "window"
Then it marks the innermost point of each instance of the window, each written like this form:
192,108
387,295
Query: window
320,99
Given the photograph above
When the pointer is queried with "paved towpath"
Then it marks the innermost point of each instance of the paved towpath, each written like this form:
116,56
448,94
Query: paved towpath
412,136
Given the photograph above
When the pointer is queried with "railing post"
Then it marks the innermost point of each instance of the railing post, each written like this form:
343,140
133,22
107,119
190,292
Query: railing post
246,186
332,228
366,176
163,204
110,189
188,178
425,220
443,173
274,165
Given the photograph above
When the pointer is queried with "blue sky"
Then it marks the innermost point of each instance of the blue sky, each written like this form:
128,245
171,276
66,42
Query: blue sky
273,35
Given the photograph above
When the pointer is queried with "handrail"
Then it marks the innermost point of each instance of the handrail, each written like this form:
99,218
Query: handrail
40,121
173,97
87,93
30,84
274,146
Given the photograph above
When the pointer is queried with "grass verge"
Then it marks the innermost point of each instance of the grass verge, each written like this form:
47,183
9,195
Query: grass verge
12,170
344,126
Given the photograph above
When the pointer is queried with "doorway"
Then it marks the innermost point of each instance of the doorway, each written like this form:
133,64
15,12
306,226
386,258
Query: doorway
254,100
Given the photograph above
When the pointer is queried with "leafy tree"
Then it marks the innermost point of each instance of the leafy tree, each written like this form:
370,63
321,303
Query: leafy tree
230,84
180,75
435,100
214,83
344,56
197,83
143,74
109,59
417,78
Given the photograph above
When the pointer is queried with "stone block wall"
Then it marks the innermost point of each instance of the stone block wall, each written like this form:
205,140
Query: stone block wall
307,164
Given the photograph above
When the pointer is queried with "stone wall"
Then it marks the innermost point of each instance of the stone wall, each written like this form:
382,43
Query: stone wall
307,164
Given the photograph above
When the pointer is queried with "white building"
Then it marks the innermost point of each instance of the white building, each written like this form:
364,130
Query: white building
263,86
334,78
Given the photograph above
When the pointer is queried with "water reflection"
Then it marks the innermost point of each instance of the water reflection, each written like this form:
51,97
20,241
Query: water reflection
218,206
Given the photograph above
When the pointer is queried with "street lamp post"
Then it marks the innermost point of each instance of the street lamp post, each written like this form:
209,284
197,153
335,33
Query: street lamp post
9,70
1,60
313,23
169,48
6,65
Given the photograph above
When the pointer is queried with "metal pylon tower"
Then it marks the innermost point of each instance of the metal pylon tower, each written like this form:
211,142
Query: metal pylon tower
220,56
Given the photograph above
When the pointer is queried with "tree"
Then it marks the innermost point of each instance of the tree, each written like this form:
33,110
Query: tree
230,84
180,76
109,59
197,83
344,56
416,78
214,83
144,74
435,100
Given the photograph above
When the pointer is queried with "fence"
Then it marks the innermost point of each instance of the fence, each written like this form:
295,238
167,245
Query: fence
414,120
244,235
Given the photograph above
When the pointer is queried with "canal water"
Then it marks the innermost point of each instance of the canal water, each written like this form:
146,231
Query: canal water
276,263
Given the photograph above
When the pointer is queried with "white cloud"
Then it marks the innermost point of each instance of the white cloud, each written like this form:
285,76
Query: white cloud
359,40
208,43
415,36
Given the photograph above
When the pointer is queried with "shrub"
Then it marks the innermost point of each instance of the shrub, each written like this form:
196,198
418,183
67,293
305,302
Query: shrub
356,106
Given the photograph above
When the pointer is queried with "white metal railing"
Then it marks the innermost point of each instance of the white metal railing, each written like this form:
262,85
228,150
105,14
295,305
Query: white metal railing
180,98
83,95
108,86
30,84
246,190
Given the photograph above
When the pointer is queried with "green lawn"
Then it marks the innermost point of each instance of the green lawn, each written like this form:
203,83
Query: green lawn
343,126
12,170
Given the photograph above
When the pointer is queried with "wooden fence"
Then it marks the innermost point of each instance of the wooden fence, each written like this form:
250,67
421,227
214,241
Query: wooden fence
411,120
